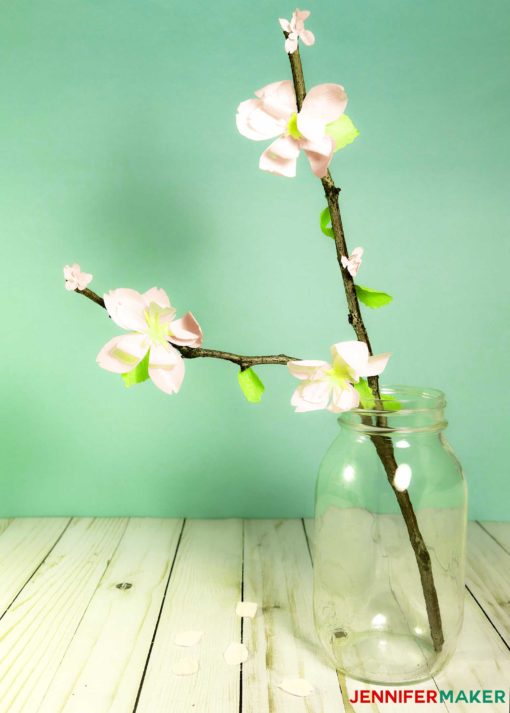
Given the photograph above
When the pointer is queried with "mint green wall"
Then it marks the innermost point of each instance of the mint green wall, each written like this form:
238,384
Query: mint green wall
119,150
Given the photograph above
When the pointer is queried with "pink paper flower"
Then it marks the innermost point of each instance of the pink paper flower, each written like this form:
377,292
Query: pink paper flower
274,114
353,262
296,30
75,278
149,317
330,386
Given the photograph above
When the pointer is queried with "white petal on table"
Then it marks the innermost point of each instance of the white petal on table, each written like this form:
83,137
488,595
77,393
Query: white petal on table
296,686
248,609
188,638
185,667
236,654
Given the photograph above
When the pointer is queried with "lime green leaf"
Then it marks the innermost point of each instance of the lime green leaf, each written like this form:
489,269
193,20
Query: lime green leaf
367,400
138,374
251,385
372,298
366,396
326,223
342,131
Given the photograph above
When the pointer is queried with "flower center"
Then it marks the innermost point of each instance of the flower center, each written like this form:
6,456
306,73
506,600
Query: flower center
158,328
341,374
292,127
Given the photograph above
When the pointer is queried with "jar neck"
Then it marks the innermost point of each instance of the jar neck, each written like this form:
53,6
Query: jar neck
403,410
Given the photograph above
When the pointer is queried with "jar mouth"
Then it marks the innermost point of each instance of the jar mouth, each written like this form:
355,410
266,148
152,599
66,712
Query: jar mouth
410,398
405,408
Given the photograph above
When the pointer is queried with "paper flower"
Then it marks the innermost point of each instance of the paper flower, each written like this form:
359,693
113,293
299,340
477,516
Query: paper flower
330,386
235,654
296,30
149,317
75,278
274,114
353,262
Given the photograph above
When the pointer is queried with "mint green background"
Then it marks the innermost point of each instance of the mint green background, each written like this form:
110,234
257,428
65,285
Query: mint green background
119,150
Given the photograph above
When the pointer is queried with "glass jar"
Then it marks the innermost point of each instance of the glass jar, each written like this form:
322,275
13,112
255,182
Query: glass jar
389,542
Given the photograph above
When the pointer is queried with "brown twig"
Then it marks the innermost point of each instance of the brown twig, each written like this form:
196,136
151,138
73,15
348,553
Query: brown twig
383,444
242,361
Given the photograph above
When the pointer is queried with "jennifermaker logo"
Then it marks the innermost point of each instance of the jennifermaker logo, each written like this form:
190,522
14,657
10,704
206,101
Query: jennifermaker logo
428,695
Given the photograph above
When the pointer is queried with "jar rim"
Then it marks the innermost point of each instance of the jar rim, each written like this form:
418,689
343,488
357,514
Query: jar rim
414,399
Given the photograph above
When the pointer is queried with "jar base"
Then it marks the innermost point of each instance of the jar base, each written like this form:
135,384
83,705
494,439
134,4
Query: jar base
383,658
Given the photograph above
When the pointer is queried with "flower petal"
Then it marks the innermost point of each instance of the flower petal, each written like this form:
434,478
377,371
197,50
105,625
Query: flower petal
279,99
126,307
376,364
84,279
185,667
284,24
186,331
291,43
188,638
166,368
281,157
296,686
236,654
267,116
157,295
121,354
354,354
322,105
308,37
311,396
307,369
343,399
319,155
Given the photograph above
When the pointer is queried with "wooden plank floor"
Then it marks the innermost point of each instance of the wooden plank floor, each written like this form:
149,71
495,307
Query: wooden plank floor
89,609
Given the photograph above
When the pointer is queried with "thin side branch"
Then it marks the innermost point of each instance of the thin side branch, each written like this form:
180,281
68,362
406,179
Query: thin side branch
383,445
242,361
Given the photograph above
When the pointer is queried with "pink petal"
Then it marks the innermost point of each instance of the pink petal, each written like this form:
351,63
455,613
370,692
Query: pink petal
279,99
300,16
322,105
186,331
121,354
281,157
376,365
284,24
357,253
256,124
319,161
307,369
354,354
311,396
157,295
291,43
343,399
126,307
307,37
166,368
84,279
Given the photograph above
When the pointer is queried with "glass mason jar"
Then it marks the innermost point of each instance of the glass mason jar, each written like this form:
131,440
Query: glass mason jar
389,543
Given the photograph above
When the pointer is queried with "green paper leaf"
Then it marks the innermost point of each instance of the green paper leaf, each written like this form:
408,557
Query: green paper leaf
326,223
367,400
342,131
138,374
366,397
251,385
372,298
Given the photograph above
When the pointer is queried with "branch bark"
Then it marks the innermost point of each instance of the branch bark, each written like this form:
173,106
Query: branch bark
242,361
383,444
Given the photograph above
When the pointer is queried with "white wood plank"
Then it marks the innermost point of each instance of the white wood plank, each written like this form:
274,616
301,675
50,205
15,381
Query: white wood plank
350,686
38,627
500,531
488,577
24,543
282,637
204,588
104,664
481,661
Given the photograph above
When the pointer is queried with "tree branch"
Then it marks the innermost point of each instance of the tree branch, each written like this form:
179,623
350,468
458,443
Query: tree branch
383,444
242,361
